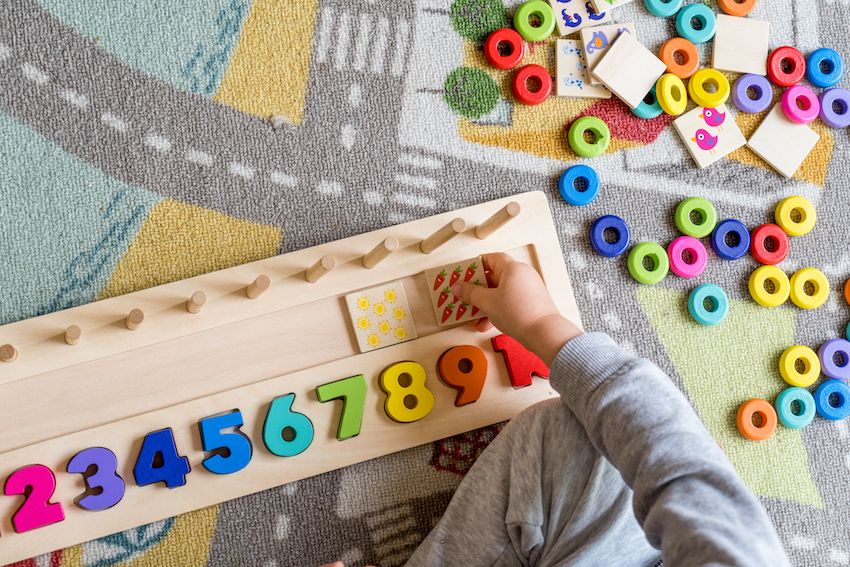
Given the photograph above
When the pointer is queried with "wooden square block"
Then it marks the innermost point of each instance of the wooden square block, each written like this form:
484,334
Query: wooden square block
740,45
573,15
629,70
782,143
380,316
595,42
709,134
571,73
448,308
606,5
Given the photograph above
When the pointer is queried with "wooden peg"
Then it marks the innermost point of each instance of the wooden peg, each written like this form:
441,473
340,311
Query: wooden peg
73,335
379,252
442,236
320,268
497,221
135,319
196,302
258,286
8,353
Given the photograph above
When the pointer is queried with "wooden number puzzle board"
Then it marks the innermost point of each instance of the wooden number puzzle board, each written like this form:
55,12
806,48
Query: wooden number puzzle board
117,385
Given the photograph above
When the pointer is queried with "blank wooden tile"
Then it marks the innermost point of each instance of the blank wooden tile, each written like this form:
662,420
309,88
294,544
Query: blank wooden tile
711,136
595,42
606,5
573,15
629,70
782,143
571,74
740,45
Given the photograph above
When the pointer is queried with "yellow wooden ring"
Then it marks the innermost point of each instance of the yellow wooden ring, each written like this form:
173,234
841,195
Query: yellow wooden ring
696,88
798,293
788,369
782,288
671,94
807,213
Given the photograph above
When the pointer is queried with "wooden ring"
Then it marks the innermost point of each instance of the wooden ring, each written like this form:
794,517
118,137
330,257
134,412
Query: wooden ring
739,9
745,419
689,53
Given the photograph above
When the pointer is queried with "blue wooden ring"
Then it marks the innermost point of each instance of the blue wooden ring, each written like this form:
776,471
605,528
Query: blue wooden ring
705,15
663,9
825,409
807,407
566,185
718,239
813,71
697,308
602,246
647,111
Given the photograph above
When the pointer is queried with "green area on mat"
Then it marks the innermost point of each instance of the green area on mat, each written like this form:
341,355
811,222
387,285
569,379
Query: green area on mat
753,337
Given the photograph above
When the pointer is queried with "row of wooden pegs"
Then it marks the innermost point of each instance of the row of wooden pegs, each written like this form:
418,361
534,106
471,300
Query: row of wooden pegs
136,317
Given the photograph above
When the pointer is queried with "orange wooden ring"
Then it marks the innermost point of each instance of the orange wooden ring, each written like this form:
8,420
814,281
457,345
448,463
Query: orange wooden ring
737,8
688,51
745,419
847,291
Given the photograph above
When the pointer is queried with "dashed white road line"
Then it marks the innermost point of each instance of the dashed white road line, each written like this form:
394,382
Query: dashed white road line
839,556
35,74
199,157
347,136
355,95
343,37
280,178
114,122
74,98
373,198
413,160
402,32
241,170
5,52
325,30
416,181
157,142
415,200
326,187
361,48
380,49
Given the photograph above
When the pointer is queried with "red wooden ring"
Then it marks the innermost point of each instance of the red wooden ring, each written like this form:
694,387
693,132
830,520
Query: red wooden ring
737,9
774,66
514,42
758,249
520,90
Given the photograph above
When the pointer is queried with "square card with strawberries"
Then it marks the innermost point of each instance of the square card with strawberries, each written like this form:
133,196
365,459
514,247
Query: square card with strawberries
448,308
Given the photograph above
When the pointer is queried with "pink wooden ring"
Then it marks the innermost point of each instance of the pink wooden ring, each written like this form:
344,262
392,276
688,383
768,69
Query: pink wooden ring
678,264
809,101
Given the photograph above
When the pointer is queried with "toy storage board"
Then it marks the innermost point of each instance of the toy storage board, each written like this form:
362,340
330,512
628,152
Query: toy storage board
116,385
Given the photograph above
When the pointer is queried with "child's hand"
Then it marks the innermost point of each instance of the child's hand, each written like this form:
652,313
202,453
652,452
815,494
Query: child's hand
519,306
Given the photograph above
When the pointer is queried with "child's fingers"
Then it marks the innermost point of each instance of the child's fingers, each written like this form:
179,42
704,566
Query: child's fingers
476,295
495,263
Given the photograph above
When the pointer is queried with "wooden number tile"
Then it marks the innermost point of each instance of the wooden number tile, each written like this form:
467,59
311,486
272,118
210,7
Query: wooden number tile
782,143
709,134
286,433
573,15
629,69
352,392
408,398
571,72
380,316
159,461
449,309
596,41
740,45
37,483
522,364
465,369
104,488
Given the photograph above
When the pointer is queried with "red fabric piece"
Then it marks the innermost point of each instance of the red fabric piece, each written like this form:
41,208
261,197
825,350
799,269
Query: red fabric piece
457,454
623,123
522,364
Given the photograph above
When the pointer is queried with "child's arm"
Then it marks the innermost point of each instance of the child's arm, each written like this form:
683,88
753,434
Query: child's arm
687,496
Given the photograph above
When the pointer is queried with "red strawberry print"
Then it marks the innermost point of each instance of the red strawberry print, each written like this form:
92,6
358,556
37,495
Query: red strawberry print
456,275
443,297
461,310
447,312
470,271
441,277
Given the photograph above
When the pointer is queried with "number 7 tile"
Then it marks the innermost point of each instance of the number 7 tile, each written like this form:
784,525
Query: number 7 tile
448,308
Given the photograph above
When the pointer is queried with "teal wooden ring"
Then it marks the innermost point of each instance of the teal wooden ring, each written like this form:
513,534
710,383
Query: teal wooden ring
647,111
696,304
705,15
659,257
575,136
663,9
537,8
807,407
704,208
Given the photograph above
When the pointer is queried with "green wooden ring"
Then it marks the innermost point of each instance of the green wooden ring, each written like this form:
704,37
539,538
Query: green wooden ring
537,8
703,207
658,256
576,136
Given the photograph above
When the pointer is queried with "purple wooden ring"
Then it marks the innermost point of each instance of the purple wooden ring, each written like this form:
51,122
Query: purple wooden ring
828,114
792,110
763,88
827,351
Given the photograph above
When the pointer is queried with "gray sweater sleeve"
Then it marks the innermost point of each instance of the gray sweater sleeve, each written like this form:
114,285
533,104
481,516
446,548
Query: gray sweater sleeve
688,498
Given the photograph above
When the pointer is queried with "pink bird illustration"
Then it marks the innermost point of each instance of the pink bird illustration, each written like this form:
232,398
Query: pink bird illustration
705,141
713,118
